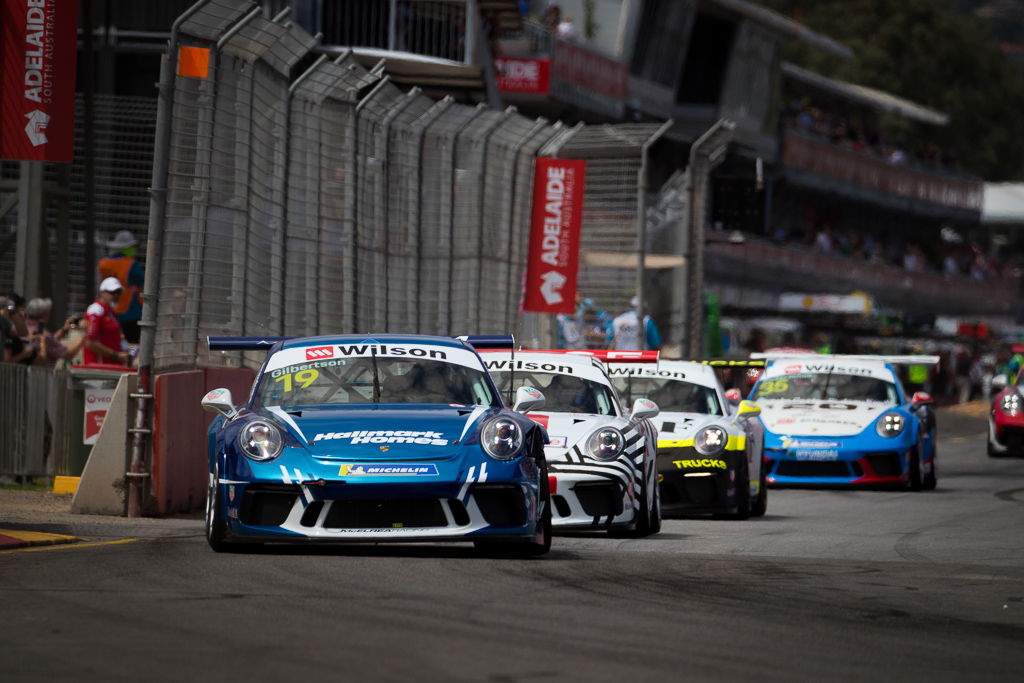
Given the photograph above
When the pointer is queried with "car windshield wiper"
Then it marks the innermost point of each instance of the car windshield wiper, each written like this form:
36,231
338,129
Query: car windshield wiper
376,376
828,379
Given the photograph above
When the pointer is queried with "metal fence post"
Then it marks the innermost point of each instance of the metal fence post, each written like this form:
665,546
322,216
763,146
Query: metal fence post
151,286
641,224
706,153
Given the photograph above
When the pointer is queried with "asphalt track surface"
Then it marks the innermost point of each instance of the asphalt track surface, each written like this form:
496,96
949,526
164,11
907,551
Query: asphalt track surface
830,585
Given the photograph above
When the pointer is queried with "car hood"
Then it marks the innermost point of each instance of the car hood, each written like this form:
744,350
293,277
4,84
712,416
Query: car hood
831,418
382,433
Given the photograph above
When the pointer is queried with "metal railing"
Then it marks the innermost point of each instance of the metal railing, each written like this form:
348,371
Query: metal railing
43,418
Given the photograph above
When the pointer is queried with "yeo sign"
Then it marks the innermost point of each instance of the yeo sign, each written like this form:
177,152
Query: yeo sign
555,236
37,79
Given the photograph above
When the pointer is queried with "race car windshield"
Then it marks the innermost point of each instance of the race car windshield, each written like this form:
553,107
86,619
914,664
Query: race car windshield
671,395
828,387
374,380
562,393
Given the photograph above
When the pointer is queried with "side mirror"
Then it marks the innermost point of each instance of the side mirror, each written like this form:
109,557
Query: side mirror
999,382
748,409
219,401
921,398
733,396
527,399
643,409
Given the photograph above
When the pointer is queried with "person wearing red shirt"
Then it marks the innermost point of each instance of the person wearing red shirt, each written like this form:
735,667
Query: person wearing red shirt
104,342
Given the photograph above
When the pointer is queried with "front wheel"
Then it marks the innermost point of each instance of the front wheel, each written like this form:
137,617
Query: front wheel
648,514
539,544
761,502
742,496
915,483
216,527
931,478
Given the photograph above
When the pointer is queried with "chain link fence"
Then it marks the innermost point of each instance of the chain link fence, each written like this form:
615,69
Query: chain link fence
309,195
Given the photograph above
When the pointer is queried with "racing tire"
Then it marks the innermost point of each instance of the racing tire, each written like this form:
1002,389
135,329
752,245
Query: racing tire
914,480
648,521
742,495
656,507
217,526
760,505
931,478
531,548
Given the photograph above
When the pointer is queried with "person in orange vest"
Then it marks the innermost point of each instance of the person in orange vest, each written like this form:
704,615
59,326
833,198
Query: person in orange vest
121,264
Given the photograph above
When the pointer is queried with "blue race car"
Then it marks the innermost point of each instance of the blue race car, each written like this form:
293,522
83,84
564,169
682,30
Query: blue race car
845,420
368,439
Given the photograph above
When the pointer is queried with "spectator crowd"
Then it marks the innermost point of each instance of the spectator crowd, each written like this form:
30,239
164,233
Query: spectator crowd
103,335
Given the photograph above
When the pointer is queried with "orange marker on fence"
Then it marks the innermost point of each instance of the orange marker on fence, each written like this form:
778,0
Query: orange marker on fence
193,62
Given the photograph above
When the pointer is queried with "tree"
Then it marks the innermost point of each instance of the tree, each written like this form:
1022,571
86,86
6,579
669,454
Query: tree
926,52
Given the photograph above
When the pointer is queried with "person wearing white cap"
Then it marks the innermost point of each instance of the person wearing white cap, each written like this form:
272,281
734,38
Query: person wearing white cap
626,330
104,341
123,265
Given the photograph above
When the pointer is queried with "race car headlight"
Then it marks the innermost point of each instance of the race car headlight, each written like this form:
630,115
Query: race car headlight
1010,404
606,444
890,424
710,440
260,440
501,438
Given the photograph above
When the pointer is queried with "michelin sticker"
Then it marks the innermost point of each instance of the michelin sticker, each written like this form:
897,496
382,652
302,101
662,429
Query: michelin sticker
364,469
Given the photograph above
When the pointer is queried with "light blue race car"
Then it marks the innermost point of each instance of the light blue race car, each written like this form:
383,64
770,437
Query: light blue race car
845,421
370,439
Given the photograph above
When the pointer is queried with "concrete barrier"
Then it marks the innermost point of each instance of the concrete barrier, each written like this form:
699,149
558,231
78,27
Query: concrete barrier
102,489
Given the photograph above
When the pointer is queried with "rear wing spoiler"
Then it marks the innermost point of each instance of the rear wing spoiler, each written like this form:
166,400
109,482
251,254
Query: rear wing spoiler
605,355
729,362
489,341
243,343
477,341
894,360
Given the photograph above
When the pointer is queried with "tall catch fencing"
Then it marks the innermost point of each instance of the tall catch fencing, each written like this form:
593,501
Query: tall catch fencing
308,195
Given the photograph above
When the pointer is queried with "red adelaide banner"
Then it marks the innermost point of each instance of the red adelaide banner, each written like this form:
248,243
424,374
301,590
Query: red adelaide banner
554,236
527,75
38,39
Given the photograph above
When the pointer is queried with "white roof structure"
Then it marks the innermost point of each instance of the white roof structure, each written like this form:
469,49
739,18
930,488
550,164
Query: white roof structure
1003,203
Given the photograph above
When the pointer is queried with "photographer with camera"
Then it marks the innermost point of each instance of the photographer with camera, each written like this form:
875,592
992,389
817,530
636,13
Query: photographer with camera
14,335
51,348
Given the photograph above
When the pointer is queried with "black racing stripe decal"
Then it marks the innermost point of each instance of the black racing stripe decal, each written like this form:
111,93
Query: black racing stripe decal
593,468
611,476
613,465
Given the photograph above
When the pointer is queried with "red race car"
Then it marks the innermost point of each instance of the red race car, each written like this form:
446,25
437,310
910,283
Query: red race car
1006,420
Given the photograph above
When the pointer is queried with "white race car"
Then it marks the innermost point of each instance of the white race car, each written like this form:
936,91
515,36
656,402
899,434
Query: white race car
710,452
601,462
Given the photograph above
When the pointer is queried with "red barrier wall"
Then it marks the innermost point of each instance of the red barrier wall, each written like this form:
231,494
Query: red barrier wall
179,434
